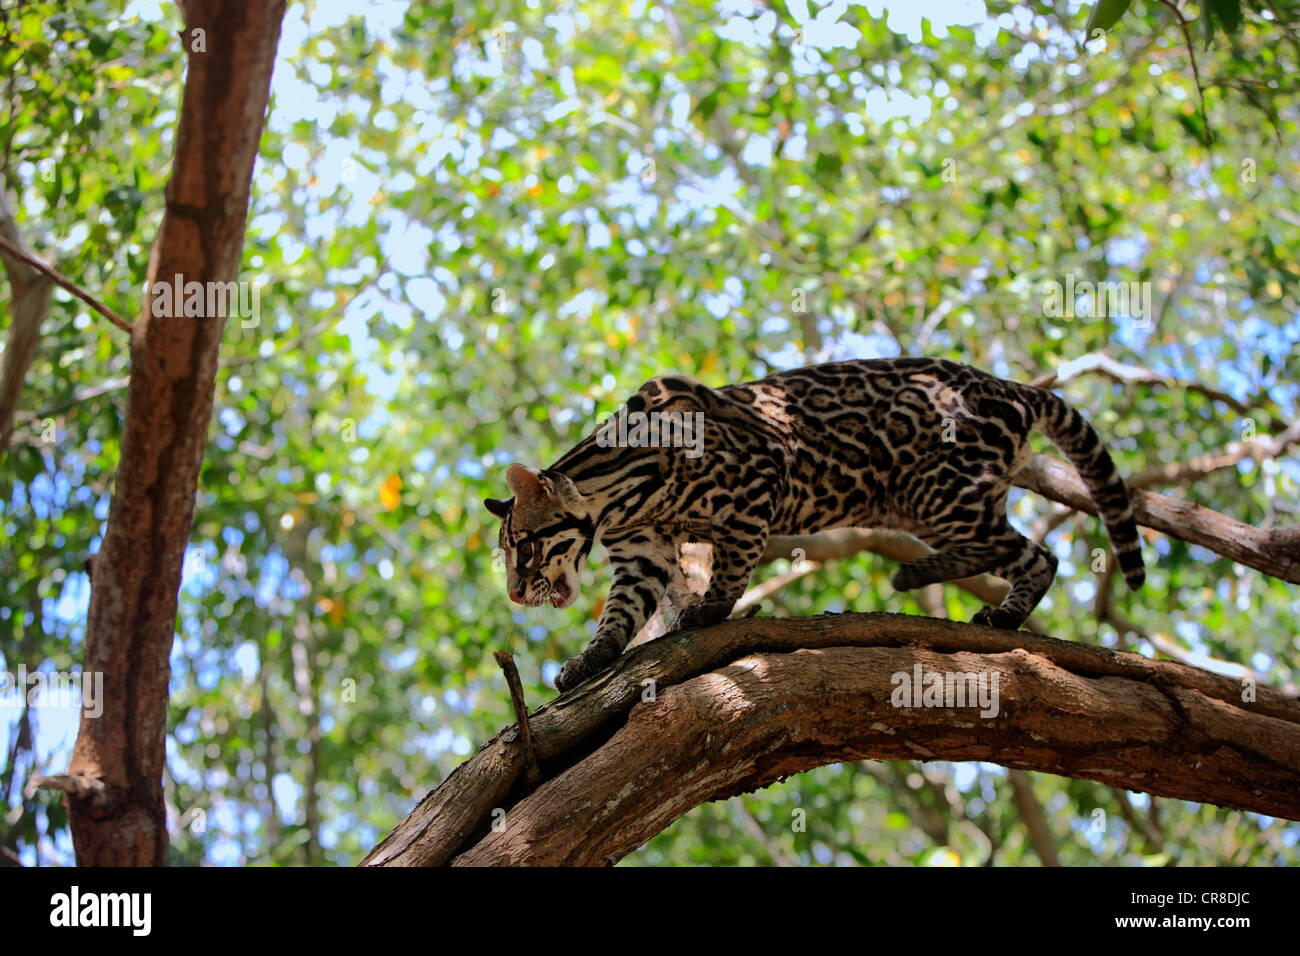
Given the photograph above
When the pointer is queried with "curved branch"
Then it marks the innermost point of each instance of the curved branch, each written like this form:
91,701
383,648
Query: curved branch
752,701
1260,448
1274,551
846,542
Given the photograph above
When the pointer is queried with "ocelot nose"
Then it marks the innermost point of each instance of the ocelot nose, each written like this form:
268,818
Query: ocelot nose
516,595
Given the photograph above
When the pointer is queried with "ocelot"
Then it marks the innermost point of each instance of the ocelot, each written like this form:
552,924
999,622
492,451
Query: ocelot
925,446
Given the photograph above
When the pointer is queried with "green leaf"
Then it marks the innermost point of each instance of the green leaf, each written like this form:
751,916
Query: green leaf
1228,13
827,169
127,196
1105,14
99,42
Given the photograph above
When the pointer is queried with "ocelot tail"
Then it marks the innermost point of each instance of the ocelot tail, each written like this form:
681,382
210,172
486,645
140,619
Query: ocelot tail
921,445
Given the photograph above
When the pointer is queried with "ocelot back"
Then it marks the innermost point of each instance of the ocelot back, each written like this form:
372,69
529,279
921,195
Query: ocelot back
920,445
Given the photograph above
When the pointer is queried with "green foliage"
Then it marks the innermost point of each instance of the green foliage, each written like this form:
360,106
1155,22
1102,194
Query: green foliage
1226,15
476,228
1105,14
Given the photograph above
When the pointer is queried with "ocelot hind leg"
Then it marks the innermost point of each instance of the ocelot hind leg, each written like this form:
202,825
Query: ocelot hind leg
991,546
1030,573
959,560
963,547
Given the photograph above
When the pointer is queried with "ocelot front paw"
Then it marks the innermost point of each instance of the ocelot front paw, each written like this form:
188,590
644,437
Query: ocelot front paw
997,617
594,659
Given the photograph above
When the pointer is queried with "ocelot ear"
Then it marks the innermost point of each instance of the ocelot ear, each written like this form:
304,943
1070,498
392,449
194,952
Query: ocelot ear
528,484
498,506
561,489
524,482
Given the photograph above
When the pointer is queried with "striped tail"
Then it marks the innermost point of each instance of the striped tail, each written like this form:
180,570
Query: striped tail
1070,432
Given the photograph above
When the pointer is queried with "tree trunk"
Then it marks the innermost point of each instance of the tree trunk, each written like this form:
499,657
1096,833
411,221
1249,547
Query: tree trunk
114,785
747,703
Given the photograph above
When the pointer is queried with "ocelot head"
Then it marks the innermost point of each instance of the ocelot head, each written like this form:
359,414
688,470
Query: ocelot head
546,534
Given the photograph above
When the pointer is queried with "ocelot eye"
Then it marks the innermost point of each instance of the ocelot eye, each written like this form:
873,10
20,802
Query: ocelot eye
526,550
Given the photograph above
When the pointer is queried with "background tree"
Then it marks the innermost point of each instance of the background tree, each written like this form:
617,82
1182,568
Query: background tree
113,786
478,227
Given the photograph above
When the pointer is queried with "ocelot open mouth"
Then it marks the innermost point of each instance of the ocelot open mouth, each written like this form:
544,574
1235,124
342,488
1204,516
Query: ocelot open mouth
560,594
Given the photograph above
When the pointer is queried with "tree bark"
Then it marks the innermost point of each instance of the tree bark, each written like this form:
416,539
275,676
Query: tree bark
749,702
29,301
114,785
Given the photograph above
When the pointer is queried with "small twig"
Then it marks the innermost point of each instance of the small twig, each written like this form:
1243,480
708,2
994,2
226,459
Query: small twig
1143,825
532,772
66,283
113,385
1045,525
770,847
1191,55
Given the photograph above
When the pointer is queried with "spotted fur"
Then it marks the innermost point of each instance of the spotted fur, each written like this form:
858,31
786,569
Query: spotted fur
925,446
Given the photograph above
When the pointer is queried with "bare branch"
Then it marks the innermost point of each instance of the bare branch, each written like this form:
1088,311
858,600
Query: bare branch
1261,448
1102,364
755,830
846,542
1031,812
80,398
62,281
506,661
1275,551
769,587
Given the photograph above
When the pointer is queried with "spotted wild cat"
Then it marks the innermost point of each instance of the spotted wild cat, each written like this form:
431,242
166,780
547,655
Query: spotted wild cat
920,445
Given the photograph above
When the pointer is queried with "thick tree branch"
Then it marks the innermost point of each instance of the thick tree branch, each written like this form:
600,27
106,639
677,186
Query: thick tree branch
752,701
